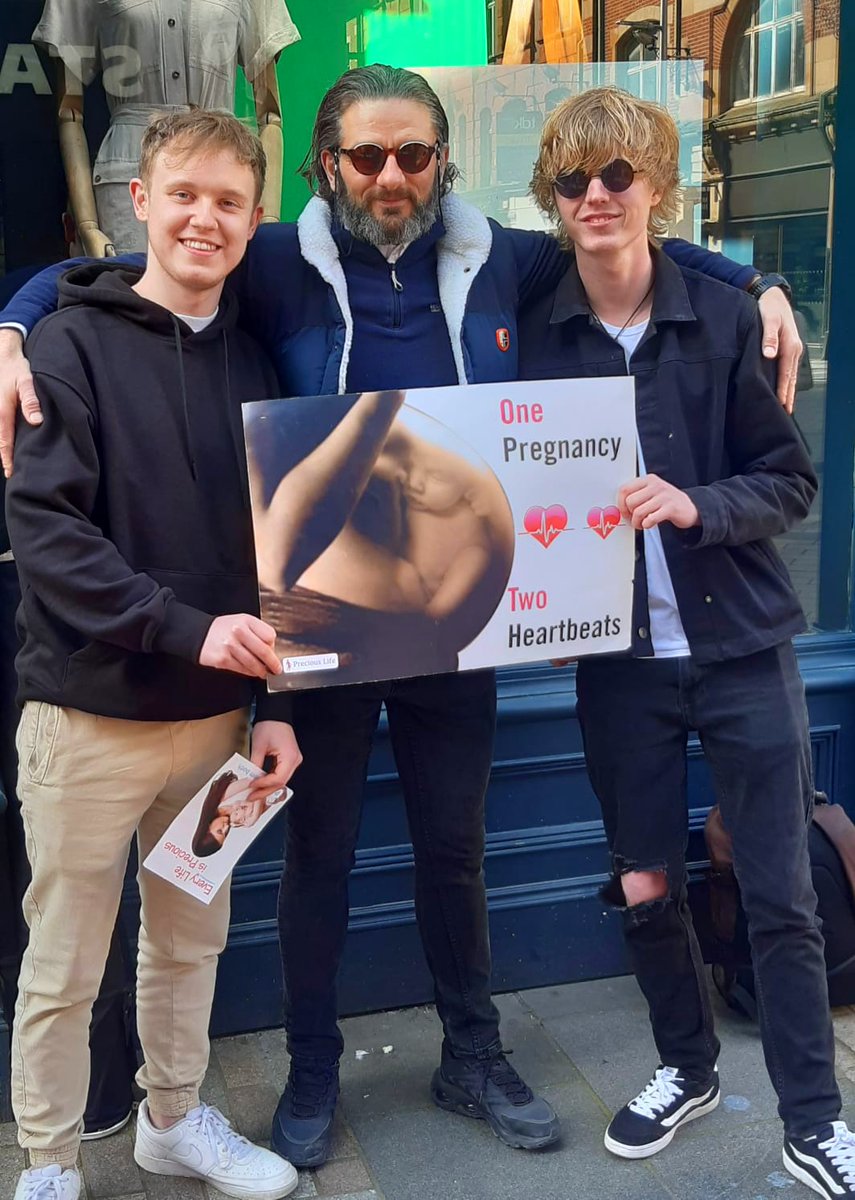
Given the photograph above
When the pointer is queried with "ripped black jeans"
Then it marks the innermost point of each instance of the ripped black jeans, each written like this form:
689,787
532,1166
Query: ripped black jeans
751,718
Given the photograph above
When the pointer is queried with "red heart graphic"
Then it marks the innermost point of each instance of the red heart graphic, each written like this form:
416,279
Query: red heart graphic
545,524
604,520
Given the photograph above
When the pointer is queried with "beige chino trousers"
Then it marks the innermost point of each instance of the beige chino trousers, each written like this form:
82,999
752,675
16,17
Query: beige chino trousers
86,785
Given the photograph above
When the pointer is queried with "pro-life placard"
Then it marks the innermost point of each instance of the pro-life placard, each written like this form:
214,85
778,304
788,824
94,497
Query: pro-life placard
442,529
202,846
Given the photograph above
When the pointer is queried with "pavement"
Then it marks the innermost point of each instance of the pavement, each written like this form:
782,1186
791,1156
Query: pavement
585,1046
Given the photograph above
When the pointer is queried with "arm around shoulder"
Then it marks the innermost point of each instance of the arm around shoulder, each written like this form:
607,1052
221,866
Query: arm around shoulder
709,262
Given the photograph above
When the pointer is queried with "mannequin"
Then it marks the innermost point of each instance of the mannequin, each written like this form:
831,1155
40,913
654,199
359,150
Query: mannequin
155,55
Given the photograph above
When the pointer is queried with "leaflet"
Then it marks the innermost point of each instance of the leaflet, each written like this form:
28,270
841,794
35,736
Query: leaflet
210,835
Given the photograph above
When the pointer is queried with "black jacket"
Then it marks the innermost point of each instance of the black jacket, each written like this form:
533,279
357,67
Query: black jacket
709,422
128,508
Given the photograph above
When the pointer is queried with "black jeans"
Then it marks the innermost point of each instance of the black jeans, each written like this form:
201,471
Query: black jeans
751,718
442,731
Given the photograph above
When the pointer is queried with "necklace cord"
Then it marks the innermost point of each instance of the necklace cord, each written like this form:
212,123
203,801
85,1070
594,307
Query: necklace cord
628,321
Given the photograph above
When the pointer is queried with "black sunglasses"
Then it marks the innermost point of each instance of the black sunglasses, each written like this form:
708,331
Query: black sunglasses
368,159
617,176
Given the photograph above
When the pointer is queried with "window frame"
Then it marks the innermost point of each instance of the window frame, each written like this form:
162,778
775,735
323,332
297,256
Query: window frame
752,32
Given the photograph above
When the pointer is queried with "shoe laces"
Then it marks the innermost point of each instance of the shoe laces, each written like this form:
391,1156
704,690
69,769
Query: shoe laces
659,1094
840,1148
309,1088
228,1145
508,1080
50,1187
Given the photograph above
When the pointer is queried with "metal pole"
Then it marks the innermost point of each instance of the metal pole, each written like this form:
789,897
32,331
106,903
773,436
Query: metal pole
678,28
663,37
598,30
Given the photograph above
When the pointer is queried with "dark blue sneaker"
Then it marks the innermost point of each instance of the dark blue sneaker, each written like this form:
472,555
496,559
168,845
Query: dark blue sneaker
302,1126
491,1090
825,1162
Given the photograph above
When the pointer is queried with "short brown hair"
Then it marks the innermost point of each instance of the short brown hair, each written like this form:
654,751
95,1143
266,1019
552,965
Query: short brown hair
588,131
201,130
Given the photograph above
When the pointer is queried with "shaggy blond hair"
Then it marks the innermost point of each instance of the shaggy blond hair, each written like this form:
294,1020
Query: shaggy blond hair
180,135
588,131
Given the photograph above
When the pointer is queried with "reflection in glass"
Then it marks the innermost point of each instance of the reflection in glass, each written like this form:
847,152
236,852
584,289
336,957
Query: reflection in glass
770,59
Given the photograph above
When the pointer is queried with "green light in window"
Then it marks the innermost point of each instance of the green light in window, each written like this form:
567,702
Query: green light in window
426,33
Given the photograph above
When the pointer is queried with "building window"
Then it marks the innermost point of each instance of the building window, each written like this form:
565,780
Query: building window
642,76
770,59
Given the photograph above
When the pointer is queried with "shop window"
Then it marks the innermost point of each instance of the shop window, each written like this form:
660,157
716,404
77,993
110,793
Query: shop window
770,59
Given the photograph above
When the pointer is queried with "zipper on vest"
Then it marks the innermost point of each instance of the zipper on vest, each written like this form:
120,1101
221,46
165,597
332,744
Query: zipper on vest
397,288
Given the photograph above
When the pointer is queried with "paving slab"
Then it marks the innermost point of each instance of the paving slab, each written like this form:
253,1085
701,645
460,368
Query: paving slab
108,1166
343,1176
252,1109
214,1090
586,1047
165,1187
240,1060
415,1149
12,1163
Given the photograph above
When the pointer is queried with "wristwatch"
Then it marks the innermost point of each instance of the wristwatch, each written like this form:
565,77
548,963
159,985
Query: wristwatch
762,283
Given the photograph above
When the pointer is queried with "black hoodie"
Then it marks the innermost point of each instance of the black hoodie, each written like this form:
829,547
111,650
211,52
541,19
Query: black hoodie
128,508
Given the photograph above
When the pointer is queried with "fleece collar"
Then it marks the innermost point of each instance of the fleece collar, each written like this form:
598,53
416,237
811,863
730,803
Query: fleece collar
461,254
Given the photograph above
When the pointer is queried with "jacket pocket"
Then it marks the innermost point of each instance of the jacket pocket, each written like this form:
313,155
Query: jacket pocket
39,725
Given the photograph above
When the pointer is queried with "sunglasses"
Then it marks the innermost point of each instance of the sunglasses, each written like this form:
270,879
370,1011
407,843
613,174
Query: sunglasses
368,159
617,176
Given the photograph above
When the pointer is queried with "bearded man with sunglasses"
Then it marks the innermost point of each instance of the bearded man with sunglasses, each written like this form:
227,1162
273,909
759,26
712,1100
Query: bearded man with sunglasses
389,281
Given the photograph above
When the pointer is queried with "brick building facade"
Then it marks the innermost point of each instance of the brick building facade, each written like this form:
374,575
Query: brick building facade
770,76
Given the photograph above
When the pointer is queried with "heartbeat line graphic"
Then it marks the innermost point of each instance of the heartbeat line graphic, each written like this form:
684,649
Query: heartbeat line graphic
604,520
545,524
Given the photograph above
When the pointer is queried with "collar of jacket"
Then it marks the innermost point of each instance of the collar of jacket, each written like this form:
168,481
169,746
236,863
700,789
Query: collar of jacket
461,254
670,297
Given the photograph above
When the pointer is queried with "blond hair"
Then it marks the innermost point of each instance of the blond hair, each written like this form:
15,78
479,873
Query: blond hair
588,131
202,131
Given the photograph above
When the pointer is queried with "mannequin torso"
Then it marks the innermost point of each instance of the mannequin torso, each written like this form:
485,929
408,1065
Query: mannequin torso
154,55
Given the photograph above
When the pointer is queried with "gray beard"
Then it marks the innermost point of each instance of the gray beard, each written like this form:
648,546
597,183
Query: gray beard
359,222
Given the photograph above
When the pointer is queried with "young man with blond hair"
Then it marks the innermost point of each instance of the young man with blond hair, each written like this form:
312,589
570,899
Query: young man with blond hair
142,651
722,470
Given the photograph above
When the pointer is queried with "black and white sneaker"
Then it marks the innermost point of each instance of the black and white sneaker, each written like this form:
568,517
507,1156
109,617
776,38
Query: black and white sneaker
648,1123
825,1162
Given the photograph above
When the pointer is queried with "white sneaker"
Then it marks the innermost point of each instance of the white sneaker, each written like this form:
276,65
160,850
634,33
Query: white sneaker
204,1146
48,1183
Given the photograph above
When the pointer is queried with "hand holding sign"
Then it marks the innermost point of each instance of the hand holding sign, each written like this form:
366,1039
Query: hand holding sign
240,643
648,501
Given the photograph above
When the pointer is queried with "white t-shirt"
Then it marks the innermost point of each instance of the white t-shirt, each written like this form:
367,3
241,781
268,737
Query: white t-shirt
667,635
197,324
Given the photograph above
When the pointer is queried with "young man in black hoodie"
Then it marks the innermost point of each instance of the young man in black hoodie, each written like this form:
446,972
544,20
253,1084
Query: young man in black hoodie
129,520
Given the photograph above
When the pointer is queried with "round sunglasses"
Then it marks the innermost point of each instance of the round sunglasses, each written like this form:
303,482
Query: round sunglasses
369,159
616,176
